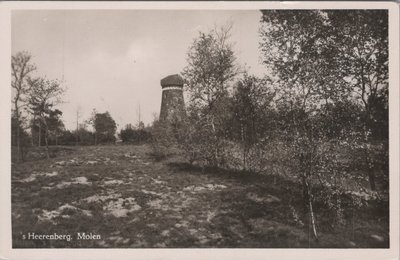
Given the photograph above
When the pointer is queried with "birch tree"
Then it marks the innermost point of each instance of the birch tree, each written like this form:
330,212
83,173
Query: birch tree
209,75
361,37
322,60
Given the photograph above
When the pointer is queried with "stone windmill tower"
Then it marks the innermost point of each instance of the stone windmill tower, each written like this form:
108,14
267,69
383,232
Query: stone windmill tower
172,103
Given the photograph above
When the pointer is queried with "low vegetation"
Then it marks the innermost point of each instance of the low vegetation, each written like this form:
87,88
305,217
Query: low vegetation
123,194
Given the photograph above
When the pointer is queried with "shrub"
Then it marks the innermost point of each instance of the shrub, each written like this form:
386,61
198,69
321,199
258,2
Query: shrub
135,136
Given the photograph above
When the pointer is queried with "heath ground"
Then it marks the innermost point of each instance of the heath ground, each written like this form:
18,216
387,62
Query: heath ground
131,200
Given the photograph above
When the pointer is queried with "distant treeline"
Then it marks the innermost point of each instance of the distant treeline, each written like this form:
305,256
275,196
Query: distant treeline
104,133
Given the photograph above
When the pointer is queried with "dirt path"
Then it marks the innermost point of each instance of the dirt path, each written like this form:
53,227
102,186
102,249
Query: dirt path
121,194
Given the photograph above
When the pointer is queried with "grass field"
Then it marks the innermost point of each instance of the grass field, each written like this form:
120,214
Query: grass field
122,194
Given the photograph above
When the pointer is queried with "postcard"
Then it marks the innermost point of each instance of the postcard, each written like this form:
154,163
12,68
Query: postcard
204,130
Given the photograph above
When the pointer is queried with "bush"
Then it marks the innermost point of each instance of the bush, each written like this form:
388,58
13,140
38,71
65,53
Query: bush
86,137
82,137
163,140
135,136
67,138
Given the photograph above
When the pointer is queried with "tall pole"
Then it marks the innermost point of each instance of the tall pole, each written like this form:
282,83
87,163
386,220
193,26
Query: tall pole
78,114
139,116
77,126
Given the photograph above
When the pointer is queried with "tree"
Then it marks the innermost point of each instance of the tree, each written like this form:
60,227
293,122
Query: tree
22,139
209,74
251,106
21,68
86,137
299,50
362,41
55,125
104,126
44,94
67,138
314,58
298,53
211,67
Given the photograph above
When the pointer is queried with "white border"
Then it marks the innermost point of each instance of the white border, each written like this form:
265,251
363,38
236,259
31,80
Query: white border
6,251
172,88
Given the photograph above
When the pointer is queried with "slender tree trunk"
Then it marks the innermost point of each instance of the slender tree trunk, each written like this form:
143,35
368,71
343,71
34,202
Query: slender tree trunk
371,174
18,137
369,166
47,148
216,149
47,143
244,147
32,141
33,122
310,206
40,134
22,154
308,197
77,128
19,155
370,171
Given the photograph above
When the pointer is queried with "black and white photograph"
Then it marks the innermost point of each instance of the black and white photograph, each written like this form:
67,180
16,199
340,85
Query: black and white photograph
196,128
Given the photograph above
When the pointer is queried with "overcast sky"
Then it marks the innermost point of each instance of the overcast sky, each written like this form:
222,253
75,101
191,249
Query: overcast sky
114,60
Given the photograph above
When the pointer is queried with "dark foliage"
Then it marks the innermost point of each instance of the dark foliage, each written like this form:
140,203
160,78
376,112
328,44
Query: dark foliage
135,135
104,127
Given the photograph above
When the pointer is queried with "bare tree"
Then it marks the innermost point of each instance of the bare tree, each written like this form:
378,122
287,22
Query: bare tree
20,70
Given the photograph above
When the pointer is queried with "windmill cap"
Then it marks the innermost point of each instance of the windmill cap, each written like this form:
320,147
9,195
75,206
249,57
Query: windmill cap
172,80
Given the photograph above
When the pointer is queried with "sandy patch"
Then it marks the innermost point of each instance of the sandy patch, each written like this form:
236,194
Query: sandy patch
215,186
156,181
113,182
29,179
35,175
158,204
262,199
208,187
60,212
211,215
183,223
194,188
130,155
121,207
72,162
101,198
92,162
165,233
77,180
